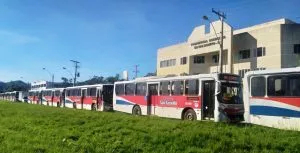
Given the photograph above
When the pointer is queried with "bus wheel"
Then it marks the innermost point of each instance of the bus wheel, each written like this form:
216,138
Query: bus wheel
136,110
190,115
94,107
74,105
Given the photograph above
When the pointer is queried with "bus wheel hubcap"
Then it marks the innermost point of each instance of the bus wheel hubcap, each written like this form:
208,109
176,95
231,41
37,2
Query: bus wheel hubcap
189,116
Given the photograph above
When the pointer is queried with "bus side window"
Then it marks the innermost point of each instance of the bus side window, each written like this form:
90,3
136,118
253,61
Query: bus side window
258,86
141,89
294,85
277,86
129,89
119,89
177,87
92,92
192,87
164,88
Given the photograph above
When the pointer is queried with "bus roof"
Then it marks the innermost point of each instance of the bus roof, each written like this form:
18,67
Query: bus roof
274,71
156,79
88,86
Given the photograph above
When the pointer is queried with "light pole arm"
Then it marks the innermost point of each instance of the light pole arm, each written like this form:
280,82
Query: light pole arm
52,77
215,30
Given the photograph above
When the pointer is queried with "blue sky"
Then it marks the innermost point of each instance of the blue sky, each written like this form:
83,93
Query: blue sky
109,36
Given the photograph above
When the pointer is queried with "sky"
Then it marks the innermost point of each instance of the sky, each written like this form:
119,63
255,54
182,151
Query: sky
110,36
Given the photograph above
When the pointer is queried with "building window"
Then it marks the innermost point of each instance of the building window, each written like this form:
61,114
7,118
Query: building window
258,86
244,54
297,48
199,59
260,51
183,61
168,63
215,58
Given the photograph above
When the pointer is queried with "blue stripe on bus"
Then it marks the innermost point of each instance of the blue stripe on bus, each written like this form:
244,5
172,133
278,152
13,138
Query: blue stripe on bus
122,102
273,111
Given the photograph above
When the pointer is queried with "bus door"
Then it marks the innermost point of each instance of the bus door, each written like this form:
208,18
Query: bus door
40,97
152,96
83,96
62,98
98,99
208,99
107,97
18,96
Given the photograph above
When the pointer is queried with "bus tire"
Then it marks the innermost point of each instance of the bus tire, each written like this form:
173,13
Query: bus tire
189,115
94,108
74,105
136,110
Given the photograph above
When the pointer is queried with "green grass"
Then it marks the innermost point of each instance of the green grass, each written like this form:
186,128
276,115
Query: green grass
35,128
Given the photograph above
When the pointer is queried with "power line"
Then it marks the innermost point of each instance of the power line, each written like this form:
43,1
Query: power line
76,67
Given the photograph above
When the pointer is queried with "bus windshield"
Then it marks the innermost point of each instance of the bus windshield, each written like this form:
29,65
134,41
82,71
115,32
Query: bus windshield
230,93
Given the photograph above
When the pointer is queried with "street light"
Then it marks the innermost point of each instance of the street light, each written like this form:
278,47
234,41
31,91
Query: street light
52,75
221,17
69,73
28,84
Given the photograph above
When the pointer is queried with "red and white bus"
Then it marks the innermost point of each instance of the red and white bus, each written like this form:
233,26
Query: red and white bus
215,97
90,97
47,97
58,97
53,97
272,98
34,96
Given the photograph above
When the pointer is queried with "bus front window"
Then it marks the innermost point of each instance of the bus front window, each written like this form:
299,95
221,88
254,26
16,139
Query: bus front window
231,93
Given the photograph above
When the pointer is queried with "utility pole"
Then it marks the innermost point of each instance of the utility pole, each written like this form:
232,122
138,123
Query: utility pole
76,67
136,71
222,16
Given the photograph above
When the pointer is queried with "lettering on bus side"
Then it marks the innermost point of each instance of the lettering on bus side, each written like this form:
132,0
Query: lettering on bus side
168,101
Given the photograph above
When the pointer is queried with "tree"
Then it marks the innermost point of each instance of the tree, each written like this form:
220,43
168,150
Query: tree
113,79
65,82
150,74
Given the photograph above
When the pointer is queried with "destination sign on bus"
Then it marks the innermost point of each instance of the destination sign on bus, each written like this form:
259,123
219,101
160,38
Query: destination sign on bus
228,77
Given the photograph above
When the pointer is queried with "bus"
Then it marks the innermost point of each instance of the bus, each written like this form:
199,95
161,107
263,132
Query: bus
15,96
53,97
272,98
47,97
58,97
216,97
90,97
34,96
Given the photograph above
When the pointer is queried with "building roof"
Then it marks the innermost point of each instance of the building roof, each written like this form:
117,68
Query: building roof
266,24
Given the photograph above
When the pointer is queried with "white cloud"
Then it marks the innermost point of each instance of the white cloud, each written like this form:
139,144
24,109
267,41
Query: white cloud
17,38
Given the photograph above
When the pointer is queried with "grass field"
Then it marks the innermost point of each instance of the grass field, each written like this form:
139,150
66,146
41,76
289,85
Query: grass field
35,128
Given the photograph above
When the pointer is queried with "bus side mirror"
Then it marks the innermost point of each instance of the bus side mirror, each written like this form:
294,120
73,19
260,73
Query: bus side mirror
218,87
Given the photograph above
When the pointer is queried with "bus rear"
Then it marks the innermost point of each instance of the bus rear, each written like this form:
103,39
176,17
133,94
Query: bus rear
272,98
